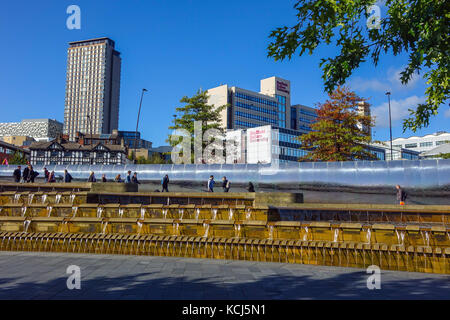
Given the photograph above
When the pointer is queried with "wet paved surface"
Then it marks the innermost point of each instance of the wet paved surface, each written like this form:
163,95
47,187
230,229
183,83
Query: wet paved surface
34,275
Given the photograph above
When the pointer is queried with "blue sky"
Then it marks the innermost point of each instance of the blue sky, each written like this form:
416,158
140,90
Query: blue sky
173,48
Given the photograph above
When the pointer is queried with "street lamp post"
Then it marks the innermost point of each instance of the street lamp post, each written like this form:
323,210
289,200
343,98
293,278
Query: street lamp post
390,121
137,124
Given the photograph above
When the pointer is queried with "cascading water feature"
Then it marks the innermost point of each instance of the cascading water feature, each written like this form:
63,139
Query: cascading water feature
142,213
72,198
120,212
305,234
44,198
336,235
104,225
214,214
74,211
425,237
26,224
24,211
400,237
368,235
164,212
197,213
30,198
206,228
248,214
17,197
49,211
270,232
99,212
176,227
230,214
57,198
237,230
181,213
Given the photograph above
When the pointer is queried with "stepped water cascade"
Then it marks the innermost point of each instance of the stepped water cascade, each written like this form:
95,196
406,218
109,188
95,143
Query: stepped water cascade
407,238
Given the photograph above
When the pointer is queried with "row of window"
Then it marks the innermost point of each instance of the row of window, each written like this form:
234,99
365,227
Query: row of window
255,99
246,124
255,117
422,144
308,113
256,108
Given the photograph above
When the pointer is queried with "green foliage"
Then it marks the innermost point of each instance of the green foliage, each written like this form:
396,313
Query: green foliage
336,135
155,158
196,108
417,27
18,158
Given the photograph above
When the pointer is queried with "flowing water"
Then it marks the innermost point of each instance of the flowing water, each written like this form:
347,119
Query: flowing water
271,232
164,212
72,198
142,213
44,198
99,212
197,213
336,235
230,214
24,211
305,234
26,224
17,197
74,211
237,230
139,228
57,198
368,235
206,228
248,214
214,214
120,212
181,213
400,237
30,198
49,211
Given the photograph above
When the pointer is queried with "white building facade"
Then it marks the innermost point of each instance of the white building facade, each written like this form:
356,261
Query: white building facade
421,144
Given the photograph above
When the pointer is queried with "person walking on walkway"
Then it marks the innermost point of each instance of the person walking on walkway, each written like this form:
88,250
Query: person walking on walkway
210,184
134,179
128,177
250,187
118,178
104,178
17,174
165,183
225,184
67,176
46,175
26,173
32,174
401,195
51,177
92,177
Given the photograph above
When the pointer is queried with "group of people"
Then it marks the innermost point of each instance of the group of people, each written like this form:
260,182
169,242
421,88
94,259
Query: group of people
226,185
27,175
128,179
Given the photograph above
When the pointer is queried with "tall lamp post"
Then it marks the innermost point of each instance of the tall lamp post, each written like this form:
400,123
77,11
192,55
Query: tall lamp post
390,121
137,124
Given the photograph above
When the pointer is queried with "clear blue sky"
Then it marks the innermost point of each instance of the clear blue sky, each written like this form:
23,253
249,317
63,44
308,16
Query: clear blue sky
173,48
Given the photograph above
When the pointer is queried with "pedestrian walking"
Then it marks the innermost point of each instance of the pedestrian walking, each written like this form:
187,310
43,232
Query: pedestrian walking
26,173
128,177
17,174
51,177
104,178
134,179
118,178
210,184
165,183
92,177
46,175
401,195
225,184
250,187
67,177
32,174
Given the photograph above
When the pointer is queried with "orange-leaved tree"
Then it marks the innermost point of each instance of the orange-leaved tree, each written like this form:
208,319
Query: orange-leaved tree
341,131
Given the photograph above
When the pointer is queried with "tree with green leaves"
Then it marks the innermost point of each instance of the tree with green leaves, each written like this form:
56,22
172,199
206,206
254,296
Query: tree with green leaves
340,132
18,158
196,108
419,28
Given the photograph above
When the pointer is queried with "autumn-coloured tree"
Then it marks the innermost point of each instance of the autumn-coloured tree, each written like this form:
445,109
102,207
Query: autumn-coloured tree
337,134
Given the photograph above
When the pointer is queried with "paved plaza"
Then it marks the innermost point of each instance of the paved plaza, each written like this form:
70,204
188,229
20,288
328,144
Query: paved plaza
35,275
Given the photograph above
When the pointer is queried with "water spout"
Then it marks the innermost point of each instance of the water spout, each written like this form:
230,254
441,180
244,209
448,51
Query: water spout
26,224
30,198
99,212
74,210
197,213
206,228
305,235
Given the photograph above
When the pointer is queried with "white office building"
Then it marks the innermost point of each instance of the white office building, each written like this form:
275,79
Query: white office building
421,144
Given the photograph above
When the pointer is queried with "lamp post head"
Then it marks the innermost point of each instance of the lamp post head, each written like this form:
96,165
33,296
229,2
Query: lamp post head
388,93
144,90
